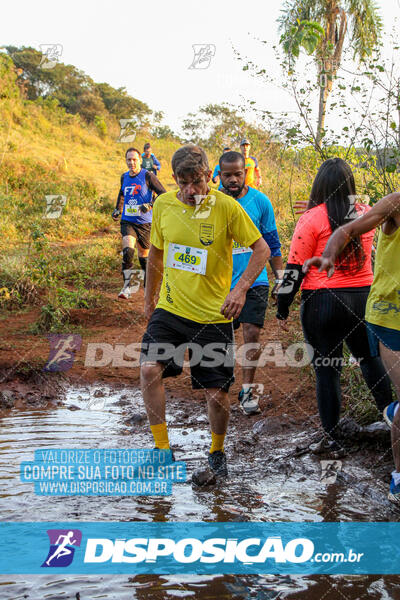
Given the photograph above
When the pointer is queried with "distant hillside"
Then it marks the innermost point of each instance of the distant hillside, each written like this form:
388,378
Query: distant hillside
45,150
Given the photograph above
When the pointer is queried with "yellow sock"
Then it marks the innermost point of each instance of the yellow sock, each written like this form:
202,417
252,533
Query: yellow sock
217,442
160,435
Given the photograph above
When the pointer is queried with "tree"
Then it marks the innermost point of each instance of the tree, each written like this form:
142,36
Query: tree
218,125
119,103
336,17
74,90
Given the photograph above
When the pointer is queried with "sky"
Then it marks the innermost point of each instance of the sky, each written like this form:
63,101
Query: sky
147,47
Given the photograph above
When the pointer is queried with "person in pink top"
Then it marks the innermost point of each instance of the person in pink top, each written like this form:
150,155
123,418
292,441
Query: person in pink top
332,310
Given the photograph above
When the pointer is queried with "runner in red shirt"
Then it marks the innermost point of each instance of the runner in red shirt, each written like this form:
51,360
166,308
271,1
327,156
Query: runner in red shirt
332,310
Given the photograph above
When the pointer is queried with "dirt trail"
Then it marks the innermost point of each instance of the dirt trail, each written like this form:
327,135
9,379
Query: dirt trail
287,390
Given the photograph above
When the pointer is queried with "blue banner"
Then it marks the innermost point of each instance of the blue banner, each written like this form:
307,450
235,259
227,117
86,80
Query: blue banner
103,472
202,548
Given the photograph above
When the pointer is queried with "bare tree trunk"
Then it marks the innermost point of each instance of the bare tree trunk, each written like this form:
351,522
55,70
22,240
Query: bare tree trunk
329,62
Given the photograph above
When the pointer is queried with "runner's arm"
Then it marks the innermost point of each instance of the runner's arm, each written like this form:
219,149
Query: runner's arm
154,273
120,198
275,260
292,278
302,247
215,174
271,236
385,210
257,171
235,300
154,184
156,162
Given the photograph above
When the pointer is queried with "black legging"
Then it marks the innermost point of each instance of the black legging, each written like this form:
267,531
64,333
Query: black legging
330,317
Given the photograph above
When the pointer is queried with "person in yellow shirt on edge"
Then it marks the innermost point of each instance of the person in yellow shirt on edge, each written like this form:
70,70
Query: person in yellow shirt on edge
382,313
251,165
191,252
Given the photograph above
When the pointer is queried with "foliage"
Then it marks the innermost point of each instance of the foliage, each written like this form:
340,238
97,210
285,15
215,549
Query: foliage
72,88
218,125
119,103
320,26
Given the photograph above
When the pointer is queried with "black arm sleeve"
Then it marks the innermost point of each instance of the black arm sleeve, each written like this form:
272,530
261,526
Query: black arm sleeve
292,279
120,198
154,184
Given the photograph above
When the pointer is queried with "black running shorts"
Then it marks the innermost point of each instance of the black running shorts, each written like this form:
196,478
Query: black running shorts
254,308
211,352
141,231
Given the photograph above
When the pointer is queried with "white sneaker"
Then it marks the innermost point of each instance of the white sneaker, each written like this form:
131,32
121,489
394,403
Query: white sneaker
126,292
248,404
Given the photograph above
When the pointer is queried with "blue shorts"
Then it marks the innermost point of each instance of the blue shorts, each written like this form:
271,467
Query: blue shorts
389,338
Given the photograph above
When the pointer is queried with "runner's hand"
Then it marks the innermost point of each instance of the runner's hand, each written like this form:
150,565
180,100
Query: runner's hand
324,264
115,214
275,290
144,208
283,324
300,206
234,302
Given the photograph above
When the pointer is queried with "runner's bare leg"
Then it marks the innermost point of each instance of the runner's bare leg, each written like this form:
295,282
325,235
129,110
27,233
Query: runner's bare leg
391,362
153,391
218,409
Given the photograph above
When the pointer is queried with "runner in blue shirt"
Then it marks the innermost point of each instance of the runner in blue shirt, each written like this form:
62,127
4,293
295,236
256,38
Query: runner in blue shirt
134,205
217,170
149,161
259,209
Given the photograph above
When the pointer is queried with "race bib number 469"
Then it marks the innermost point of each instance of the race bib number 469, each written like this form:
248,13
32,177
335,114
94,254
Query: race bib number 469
187,258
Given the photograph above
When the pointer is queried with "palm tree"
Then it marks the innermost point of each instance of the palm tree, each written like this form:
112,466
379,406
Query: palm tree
360,17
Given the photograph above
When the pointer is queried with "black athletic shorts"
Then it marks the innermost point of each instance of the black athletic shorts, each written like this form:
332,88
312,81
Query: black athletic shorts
211,352
254,308
141,231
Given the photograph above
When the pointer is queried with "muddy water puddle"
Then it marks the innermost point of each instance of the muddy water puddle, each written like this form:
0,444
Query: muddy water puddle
267,482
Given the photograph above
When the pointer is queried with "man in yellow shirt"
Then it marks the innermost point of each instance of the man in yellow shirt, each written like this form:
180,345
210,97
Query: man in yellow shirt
383,305
191,257
251,165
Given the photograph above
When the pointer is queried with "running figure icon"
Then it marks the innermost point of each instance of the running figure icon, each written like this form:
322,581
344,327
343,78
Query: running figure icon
62,549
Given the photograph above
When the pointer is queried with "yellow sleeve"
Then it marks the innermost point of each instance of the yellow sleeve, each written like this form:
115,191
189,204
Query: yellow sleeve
242,227
156,237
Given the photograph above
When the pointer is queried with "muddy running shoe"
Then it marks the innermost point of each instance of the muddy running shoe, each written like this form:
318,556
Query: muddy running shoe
328,447
248,404
394,492
217,462
208,476
388,413
126,292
